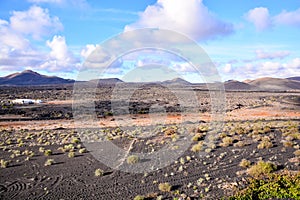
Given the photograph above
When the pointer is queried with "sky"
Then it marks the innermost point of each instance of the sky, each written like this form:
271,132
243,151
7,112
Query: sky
244,40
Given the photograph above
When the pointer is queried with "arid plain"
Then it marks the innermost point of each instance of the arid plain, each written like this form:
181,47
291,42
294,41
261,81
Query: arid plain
43,155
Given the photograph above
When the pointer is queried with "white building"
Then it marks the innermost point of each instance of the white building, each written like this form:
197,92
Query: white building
27,101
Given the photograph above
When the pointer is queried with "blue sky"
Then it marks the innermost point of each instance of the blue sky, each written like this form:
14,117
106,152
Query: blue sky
245,40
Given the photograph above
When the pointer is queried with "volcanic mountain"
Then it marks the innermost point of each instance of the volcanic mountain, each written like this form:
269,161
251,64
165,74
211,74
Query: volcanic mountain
107,81
269,83
177,81
237,85
29,77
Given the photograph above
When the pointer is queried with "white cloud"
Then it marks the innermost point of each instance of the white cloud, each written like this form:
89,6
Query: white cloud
3,22
227,68
190,17
17,50
260,17
270,68
260,54
81,4
184,68
262,20
87,50
12,39
255,70
293,64
35,22
45,1
60,58
18,59
288,18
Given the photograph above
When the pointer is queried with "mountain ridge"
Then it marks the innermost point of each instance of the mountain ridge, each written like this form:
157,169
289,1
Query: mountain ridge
29,77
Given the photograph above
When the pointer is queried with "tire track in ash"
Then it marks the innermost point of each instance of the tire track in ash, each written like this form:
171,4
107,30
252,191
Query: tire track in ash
15,188
51,183
25,187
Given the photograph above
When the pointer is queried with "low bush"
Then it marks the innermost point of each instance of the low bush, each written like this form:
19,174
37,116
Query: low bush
133,159
82,150
226,141
197,137
71,154
48,152
41,149
49,162
297,153
261,169
99,172
288,143
139,197
276,186
75,140
3,163
197,147
245,163
165,187
265,144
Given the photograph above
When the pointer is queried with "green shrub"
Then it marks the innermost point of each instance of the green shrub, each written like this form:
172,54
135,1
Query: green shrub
99,172
239,144
226,141
165,187
287,143
48,152
170,131
69,147
139,197
245,163
261,169
275,186
41,149
197,147
265,144
49,162
197,137
3,163
71,154
75,140
297,153
133,159
82,150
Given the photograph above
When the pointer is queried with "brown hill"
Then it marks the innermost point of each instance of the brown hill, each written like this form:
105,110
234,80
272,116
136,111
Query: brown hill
269,83
179,81
237,85
106,81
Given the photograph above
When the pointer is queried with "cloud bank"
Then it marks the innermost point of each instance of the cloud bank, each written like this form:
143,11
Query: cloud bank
262,20
189,17
17,37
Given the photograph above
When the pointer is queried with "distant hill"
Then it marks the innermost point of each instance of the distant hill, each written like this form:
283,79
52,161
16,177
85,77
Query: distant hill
295,78
29,77
237,85
269,83
177,81
107,81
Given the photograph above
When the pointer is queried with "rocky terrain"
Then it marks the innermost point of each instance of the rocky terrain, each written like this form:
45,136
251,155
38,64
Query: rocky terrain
48,153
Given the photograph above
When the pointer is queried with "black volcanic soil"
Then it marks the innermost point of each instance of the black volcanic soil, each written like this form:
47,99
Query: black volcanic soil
210,174
73,178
